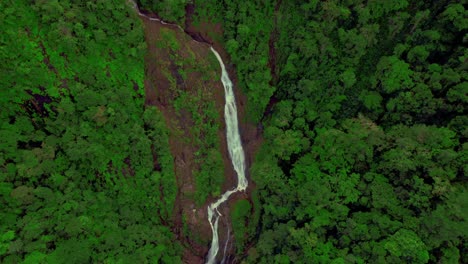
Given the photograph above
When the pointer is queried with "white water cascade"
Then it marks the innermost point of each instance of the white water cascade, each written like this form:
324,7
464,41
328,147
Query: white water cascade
235,151
234,143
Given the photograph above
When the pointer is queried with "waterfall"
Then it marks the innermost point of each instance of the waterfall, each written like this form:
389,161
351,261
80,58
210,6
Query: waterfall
236,152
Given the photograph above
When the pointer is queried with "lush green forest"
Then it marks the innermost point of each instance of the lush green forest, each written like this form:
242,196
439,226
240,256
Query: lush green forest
362,105
78,179
365,152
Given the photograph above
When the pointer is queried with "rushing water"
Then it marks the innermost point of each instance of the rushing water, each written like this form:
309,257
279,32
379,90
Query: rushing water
236,152
234,143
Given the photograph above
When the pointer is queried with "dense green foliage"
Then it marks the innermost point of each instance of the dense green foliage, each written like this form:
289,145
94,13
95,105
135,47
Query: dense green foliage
365,153
365,145
247,33
240,213
247,29
85,169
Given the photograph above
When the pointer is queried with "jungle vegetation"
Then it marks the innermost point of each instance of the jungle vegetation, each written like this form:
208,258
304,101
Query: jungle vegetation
79,177
362,105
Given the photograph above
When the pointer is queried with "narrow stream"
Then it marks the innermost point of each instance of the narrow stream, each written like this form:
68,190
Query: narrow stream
236,152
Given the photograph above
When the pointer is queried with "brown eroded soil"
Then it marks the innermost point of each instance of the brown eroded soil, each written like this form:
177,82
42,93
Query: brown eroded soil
251,134
159,90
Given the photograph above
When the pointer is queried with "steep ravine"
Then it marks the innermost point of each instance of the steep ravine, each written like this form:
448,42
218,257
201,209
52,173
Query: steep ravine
157,87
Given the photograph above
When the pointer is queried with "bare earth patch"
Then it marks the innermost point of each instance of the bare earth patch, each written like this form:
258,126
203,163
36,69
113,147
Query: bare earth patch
198,74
